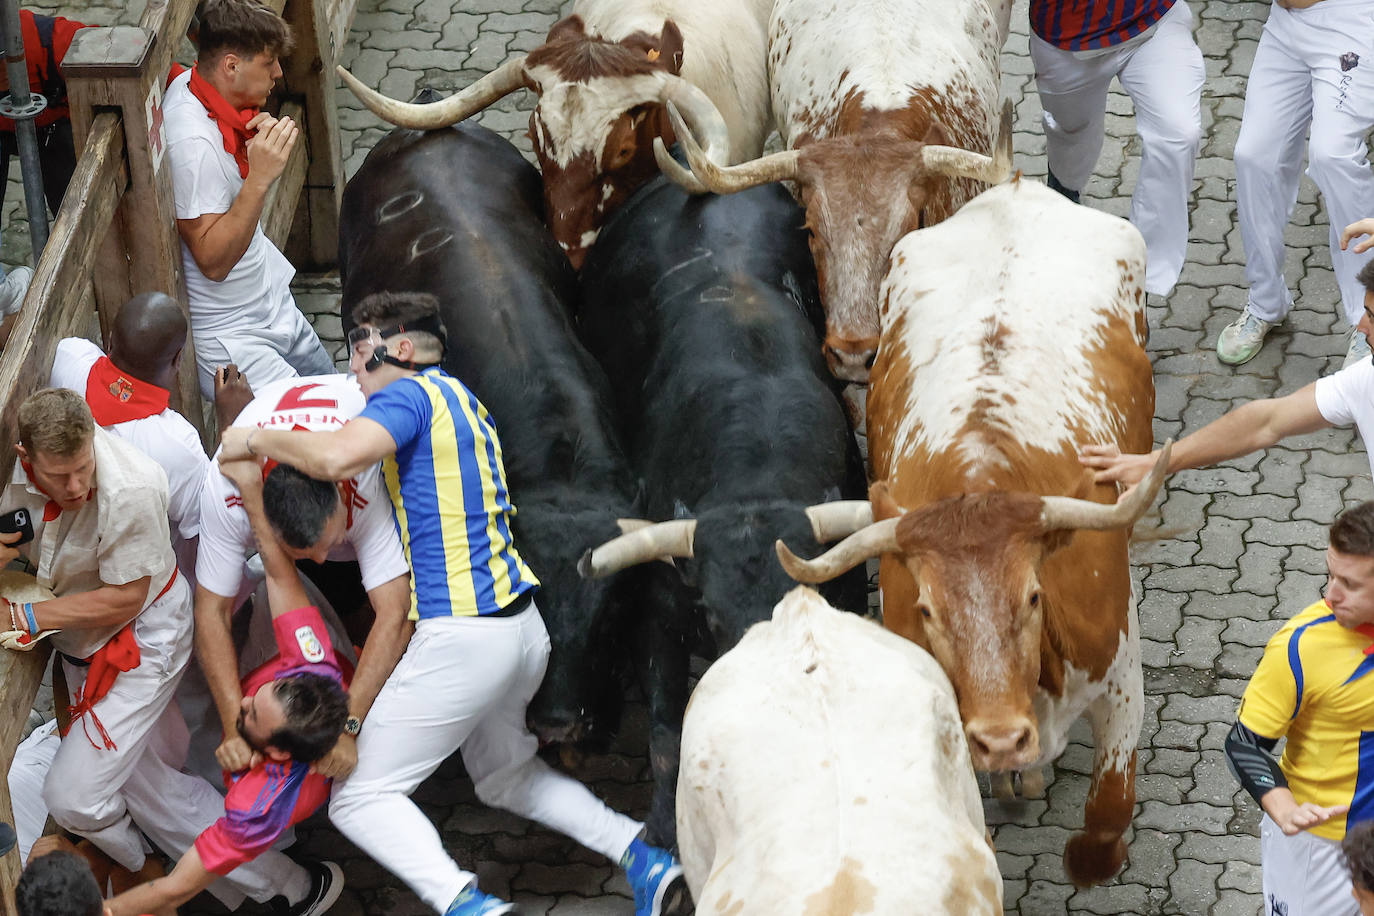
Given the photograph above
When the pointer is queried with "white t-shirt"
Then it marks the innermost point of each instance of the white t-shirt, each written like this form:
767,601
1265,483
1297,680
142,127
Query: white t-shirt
317,402
205,179
1346,398
168,438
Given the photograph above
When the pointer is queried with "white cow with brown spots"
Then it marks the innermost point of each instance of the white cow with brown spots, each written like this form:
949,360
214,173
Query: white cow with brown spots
1013,333
857,88
825,772
602,76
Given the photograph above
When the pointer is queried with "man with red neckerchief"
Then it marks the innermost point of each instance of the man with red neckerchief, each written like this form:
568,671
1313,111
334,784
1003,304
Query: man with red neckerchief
225,156
1313,687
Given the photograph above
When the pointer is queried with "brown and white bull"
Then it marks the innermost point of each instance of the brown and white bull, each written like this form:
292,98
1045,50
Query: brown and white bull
1012,333
877,811
857,88
602,76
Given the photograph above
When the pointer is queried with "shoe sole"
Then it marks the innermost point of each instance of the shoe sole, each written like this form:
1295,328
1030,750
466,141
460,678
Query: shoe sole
672,897
331,893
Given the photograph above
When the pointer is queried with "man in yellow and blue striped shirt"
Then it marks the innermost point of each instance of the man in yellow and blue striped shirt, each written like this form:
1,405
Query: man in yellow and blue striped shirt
480,648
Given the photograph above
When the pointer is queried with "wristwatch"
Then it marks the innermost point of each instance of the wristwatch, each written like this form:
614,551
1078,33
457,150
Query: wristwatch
353,725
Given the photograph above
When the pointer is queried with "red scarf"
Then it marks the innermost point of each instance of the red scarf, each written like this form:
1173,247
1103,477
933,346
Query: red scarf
52,509
116,397
121,653
230,121
1367,629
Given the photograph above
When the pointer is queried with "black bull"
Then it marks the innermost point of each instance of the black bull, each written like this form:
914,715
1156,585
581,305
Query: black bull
458,213
705,314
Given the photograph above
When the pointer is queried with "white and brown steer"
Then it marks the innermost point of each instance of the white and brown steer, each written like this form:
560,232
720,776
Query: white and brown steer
877,809
1013,333
857,88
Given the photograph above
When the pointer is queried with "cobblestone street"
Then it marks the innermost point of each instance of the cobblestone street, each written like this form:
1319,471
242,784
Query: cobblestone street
1242,545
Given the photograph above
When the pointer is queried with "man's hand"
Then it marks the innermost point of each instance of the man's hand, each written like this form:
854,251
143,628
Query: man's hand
232,394
269,150
340,760
1114,467
1358,228
233,444
8,553
246,475
234,754
1293,817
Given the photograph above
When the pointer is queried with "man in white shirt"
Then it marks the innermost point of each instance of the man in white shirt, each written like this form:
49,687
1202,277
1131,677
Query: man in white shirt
225,157
1344,398
314,520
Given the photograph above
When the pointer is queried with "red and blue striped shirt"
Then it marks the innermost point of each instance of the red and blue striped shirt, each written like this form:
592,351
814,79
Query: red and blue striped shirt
1089,25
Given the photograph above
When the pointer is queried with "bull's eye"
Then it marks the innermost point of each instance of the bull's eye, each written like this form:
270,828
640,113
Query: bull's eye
1035,599
924,609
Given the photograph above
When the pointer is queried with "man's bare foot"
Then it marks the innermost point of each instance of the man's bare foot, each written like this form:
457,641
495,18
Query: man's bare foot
232,394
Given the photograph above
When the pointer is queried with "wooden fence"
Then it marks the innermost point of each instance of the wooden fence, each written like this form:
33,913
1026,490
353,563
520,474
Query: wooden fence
116,235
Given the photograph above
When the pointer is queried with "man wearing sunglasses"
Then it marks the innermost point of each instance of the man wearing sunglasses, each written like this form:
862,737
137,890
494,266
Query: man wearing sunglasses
480,648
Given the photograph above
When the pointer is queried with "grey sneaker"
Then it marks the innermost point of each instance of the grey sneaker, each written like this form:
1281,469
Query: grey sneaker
1240,341
1357,351
13,288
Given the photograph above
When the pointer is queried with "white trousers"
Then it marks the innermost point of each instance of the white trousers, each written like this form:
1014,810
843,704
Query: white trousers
1163,75
289,347
463,682
1303,875
1314,67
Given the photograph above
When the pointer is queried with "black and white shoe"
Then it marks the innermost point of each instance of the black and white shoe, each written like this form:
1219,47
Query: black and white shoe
326,883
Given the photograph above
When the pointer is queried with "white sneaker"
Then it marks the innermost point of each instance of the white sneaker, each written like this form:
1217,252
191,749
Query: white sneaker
1240,341
13,289
1357,351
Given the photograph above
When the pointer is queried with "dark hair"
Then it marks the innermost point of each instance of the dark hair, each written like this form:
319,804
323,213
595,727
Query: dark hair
383,310
297,506
58,884
1358,850
240,27
1353,532
1366,276
316,708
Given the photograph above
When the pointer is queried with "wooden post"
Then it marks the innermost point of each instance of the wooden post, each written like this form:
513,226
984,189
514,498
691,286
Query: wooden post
116,68
320,27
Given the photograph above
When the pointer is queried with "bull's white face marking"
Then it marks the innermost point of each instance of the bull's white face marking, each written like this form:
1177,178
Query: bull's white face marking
573,119
399,205
589,237
428,241
1008,341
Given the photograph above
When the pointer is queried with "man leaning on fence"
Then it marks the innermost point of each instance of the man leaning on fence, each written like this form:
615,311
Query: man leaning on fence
225,156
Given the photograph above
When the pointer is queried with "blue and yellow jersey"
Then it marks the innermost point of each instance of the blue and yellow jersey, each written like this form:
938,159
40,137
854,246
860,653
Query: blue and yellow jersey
1313,686
448,488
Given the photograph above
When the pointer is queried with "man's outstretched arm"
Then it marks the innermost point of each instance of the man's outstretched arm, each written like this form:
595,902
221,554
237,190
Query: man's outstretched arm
336,455
285,592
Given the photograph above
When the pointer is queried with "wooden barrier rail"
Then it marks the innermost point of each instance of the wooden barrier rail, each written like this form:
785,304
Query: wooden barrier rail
116,235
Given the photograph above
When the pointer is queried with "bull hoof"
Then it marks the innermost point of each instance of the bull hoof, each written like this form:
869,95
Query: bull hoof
1033,782
1001,786
1088,861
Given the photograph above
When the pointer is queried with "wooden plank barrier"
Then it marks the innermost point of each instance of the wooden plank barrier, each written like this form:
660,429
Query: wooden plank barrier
116,235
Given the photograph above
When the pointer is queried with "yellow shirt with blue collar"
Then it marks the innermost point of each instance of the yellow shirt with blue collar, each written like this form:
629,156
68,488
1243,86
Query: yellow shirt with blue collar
1313,687
447,485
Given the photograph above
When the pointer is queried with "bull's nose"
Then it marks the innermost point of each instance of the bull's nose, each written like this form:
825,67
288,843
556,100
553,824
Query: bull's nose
1004,744
850,358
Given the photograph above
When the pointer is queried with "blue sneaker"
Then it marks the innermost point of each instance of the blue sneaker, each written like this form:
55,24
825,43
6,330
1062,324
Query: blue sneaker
656,877
472,902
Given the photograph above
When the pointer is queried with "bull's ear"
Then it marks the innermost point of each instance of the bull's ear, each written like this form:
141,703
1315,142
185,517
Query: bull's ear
670,46
567,29
884,506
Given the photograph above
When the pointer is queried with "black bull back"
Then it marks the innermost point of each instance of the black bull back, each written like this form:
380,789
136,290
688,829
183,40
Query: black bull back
457,213
705,314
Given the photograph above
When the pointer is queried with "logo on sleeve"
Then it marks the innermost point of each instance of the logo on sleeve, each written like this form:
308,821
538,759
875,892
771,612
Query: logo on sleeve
311,648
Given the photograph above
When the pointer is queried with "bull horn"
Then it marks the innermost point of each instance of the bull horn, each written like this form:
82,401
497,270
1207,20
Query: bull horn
714,177
496,85
961,163
651,542
626,525
1061,512
834,520
864,544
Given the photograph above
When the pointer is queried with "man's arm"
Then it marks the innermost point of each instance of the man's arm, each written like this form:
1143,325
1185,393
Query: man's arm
218,240
1249,427
1249,756
386,643
218,661
285,592
188,878
107,606
336,455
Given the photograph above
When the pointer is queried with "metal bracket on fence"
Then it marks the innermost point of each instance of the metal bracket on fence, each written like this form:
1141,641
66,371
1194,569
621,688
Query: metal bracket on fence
16,113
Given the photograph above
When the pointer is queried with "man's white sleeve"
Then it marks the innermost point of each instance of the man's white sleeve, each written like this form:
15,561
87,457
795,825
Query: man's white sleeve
1340,395
198,183
71,364
225,535
186,481
373,535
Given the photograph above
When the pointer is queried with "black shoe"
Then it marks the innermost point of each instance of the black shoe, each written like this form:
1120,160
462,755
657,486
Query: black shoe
7,839
1055,185
326,883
